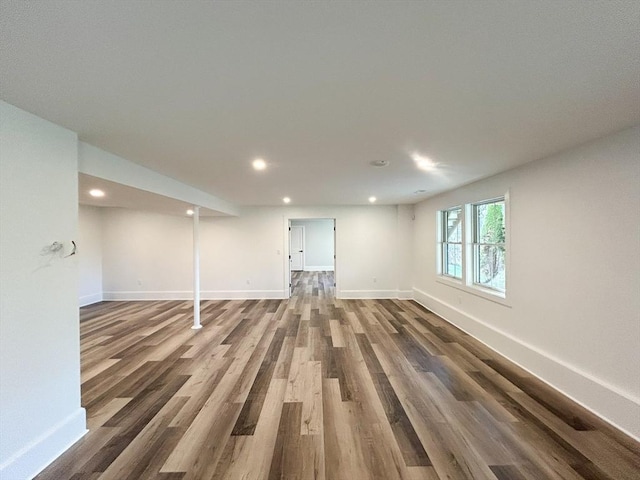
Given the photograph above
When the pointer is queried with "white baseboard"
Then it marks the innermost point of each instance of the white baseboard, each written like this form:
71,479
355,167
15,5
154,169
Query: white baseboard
36,456
373,294
188,295
243,294
318,269
90,299
619,408
405,294
147,295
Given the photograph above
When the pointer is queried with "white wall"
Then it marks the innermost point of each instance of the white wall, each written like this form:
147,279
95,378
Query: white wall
573,280
242,257
148,256
318,243
89,254
405,242
40,413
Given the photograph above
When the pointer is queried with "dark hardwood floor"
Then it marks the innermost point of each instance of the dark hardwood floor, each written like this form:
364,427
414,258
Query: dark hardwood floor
316,387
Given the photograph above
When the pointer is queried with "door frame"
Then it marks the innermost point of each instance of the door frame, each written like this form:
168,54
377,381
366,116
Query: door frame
286,290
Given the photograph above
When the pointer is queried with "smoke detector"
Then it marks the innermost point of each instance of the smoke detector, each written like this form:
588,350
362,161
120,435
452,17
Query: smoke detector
379,163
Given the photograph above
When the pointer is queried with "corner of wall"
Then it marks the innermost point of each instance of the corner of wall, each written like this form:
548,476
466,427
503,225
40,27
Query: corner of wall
87,300
36,456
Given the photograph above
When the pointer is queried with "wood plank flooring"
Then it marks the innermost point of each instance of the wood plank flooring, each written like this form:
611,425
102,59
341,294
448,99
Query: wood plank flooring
316,387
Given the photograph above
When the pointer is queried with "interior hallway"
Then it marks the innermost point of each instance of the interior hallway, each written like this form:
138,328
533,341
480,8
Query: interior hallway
316,387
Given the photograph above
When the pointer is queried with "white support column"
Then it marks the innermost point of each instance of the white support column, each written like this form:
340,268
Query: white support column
196,268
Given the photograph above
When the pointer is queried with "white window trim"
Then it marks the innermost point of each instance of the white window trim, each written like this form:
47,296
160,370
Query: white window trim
467,284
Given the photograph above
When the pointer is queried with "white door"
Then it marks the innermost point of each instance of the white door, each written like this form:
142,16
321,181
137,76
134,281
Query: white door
296,247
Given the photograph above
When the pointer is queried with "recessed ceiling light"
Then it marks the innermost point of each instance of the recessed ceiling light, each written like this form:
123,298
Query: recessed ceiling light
422,162
372,199
259,164
189,212
96,193
286,200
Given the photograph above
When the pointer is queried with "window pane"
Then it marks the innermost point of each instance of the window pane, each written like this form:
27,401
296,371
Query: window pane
489,249
489,266
489,222
453,225
452,260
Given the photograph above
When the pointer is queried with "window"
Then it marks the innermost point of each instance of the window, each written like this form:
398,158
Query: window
489,245
452,242
473,247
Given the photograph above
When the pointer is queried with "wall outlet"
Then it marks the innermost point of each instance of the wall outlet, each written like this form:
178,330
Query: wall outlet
375,280
139,282
248,282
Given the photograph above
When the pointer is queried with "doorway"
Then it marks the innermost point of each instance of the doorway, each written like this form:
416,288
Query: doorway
312,256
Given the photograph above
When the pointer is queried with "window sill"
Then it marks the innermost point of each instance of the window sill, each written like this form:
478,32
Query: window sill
485,293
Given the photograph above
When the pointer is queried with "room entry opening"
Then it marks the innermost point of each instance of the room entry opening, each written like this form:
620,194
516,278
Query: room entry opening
312,256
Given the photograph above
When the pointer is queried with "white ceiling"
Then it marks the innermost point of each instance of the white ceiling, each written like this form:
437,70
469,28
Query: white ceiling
196,90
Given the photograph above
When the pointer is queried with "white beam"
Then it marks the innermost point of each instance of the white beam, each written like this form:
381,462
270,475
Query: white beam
98,163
